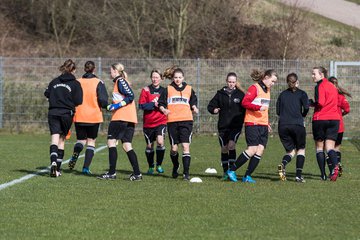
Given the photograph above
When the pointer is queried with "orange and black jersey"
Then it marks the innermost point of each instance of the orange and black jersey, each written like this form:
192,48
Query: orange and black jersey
101,92
164,95
64,94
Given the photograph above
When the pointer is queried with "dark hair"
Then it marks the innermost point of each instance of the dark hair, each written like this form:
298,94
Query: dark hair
258,75
322,70
341,90
89,66
291,80
231,74
68,66
178,70
156,71
237,85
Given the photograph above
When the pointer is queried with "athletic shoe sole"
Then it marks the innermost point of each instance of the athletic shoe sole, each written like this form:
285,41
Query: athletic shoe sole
53,170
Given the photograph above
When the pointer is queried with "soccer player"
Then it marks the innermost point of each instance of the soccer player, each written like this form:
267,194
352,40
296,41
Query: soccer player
325,121
154,121
122,124
292,107
227,103
64,94
88,116
343,109
177,102
256,102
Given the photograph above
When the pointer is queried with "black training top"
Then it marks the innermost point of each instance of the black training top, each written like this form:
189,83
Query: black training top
64,94
232,113
292,107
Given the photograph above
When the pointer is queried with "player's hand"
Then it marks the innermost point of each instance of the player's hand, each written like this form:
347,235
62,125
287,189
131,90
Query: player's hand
195,109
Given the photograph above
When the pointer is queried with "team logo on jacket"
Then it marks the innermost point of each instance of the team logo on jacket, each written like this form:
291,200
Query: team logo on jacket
178,100
236,100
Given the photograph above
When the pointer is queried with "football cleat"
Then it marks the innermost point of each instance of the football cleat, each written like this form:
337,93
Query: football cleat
150,170
334,173
323,177
300,179
232,175
159,169
175,173
73,160
248,179
225,177
186,177
107,176
134,177
340,170
281,172
86,171
53,168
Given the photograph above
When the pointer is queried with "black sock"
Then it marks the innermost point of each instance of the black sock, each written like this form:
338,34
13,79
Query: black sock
133,161
254,161
225,161
286,159
59,159
329,163
186,158
175,159
53,153
89,154
149,152
320,157
232,157
112,160
77,150
300,159
160,153
338,156
241,160
333,157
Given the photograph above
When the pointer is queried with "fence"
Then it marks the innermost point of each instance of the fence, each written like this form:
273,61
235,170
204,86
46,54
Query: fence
23,106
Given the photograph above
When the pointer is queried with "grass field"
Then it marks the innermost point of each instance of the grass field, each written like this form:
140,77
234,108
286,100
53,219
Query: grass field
81,207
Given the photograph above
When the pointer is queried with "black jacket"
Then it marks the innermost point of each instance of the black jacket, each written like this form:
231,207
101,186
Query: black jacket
64,94
163,97
231,114
292,107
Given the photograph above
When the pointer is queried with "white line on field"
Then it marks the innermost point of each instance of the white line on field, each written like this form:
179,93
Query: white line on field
26,177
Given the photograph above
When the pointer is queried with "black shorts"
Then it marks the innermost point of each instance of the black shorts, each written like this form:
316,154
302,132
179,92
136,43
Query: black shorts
292,137
85,131
121,130
256,135
325,129
339,138
225,135
180,132
150,134
60,124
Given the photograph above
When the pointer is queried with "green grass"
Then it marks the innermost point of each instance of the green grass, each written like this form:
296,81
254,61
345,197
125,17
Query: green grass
80,207
354,1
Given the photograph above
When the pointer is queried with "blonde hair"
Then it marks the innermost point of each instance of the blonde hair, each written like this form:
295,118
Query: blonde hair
67,67
120,68
169,72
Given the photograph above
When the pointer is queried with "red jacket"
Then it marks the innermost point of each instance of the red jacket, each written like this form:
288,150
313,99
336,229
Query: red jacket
152,117
326,101
343,109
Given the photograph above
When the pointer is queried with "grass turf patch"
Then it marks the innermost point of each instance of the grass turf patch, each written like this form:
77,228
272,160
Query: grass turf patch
78,206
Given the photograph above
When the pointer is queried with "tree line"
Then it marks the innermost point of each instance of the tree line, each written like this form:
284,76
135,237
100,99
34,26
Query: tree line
159,29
